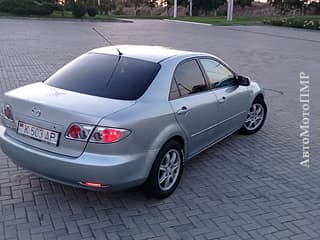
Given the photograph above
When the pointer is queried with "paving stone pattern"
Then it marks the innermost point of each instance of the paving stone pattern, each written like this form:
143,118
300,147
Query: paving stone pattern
246,187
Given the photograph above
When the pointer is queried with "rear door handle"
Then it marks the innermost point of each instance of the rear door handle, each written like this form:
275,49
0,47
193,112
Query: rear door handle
222,100
182,110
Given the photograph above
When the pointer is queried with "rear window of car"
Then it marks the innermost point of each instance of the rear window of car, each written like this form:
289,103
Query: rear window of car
108,76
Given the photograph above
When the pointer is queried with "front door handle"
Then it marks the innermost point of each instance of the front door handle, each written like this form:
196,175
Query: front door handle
182,110
222,100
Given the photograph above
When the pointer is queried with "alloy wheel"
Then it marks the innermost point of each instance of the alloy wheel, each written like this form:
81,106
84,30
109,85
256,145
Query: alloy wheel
255,117
169,169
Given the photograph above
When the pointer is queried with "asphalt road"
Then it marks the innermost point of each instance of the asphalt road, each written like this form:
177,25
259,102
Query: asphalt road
246,187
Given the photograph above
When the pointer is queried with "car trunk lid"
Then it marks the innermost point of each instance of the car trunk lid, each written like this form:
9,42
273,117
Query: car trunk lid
55,109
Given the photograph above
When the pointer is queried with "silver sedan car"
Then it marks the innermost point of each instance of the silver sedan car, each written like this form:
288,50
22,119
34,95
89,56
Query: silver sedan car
123,116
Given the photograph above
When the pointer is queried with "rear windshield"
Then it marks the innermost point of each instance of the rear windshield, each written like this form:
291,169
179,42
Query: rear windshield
108,76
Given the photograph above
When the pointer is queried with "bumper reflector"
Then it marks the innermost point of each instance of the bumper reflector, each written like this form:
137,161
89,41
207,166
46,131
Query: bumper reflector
93,184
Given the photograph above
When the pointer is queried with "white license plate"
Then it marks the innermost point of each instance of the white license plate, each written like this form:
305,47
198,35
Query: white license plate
38,133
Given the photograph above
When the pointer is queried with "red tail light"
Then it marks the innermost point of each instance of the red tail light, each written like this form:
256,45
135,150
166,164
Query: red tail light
82,132
7,112
111,135
79,131
108,135
74,131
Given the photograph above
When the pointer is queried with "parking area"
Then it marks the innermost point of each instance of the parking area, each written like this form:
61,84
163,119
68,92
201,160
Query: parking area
245,187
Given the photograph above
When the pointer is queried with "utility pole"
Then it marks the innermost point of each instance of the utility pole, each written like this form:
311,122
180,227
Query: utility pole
230,10
175,6
190,8
99,7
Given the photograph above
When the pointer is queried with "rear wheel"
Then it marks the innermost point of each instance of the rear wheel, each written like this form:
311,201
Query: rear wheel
166,171
255,117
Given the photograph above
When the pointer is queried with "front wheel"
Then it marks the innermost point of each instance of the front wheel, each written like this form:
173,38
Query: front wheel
166,171
255,117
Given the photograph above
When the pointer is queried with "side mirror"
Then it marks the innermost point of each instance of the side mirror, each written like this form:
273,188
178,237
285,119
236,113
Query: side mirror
243,80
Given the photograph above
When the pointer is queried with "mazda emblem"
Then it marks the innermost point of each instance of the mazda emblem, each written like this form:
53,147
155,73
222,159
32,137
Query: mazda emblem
35,112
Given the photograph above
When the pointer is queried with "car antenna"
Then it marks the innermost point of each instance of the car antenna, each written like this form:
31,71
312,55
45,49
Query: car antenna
107,40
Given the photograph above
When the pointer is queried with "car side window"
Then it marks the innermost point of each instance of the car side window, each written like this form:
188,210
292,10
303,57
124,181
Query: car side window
174,92
188,78
218,75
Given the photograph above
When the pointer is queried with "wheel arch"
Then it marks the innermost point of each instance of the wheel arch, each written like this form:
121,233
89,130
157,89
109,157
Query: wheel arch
178,138
259,95
168,133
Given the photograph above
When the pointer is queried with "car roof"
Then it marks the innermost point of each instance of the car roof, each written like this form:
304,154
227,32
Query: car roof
142,52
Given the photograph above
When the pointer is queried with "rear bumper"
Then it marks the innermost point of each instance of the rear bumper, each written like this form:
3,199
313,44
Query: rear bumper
115,171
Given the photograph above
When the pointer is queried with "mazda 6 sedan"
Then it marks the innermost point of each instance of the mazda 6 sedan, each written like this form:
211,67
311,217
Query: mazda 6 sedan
123,116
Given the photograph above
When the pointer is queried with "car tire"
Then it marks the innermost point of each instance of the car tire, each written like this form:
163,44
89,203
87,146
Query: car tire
166,171
255,118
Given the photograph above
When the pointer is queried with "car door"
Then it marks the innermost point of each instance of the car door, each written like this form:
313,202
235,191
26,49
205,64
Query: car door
233,100
195,106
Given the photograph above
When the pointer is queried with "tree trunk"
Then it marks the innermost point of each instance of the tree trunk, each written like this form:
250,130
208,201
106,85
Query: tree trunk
302,10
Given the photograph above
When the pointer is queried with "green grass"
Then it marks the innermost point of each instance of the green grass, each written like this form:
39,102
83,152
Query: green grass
140,17
222,20
5,14
57,14
68,14
307,17
243,20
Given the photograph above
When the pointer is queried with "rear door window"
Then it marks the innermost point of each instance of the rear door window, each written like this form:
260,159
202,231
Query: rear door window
189,78
108,76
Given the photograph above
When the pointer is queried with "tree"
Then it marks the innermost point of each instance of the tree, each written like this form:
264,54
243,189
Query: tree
169,4
208,5
107,7
216,4
286,5
243,3
136,4
151,4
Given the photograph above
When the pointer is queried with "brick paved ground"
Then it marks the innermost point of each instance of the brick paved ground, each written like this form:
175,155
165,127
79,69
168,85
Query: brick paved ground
246,187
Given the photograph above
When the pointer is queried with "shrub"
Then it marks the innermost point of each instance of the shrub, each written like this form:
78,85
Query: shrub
79,10
276,22
92,11
222,12
56,7
297,22
25,7
119,11
69,6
